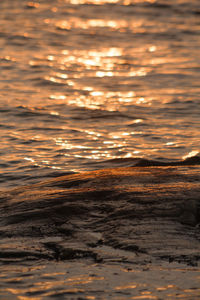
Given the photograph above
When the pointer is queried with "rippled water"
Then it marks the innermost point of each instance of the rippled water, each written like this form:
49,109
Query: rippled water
117,233
85,85
86,81
55,281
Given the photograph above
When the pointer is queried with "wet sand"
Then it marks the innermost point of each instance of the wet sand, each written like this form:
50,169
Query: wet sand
123,233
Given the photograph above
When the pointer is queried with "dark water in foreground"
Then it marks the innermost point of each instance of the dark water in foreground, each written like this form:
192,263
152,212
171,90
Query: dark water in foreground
84,82
121,233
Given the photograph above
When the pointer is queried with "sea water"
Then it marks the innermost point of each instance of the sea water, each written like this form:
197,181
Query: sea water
86,85
90,83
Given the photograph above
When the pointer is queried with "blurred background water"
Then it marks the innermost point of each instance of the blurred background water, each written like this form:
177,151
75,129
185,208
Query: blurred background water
86,82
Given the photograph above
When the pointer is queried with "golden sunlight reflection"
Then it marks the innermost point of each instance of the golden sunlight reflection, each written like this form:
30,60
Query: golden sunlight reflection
190,154
136,25
66,145
78,55
124,287
110,79
38,161
32,4
145,297
100,151
152,48
57,97
163,288
104,85
86,24
106,60
95,2
47,286
54,113
90,66
102,100
101,2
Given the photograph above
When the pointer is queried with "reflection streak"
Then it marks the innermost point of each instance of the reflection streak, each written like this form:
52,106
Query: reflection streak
117,82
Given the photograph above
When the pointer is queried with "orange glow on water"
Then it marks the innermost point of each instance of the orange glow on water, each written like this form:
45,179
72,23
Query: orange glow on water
95,2
101,2
99,64
91,84
111,73
33,4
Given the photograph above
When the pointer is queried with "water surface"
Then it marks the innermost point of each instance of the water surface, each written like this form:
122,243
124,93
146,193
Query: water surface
84,82
88,85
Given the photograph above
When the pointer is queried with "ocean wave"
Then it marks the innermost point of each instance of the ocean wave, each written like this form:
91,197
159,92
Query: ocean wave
142,162
132,209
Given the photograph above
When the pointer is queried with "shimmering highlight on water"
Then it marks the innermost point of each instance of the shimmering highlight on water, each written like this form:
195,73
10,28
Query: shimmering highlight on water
87,81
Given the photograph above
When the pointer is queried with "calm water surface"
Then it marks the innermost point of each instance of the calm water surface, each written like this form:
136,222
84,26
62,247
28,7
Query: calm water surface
84,82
